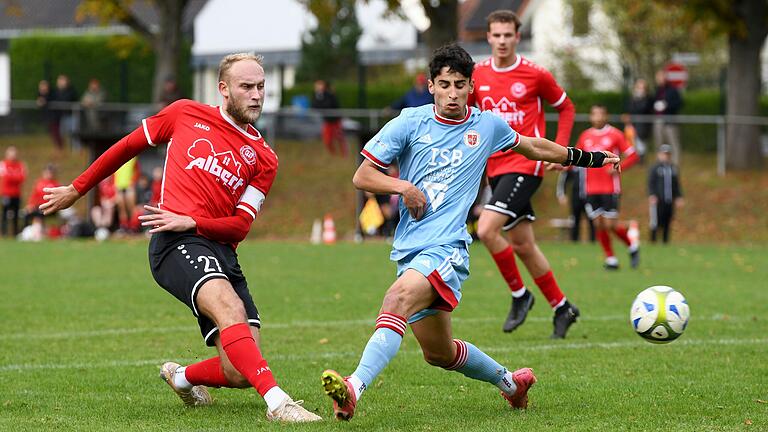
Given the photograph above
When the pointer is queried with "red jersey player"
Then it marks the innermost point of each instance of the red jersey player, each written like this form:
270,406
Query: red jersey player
218,170
604,184
515,88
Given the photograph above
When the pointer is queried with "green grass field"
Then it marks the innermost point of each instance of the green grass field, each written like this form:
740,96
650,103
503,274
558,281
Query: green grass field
85,329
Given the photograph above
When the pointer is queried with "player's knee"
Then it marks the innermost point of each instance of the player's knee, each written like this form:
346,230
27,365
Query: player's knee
487,232
523,248
397,300
438,359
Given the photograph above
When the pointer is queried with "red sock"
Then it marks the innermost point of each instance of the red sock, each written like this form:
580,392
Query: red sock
621,232
505,261
207,373
548,286
605,242
242,351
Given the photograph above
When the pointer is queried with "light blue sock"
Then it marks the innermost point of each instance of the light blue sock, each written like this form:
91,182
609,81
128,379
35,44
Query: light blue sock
475,364
381,348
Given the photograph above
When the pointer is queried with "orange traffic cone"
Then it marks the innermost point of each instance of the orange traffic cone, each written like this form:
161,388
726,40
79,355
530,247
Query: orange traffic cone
329,230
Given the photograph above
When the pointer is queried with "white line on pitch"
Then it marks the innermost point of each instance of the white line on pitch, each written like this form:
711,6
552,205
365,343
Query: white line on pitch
354,354
303,324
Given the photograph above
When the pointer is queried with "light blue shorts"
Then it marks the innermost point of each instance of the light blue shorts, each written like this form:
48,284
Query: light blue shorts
446,268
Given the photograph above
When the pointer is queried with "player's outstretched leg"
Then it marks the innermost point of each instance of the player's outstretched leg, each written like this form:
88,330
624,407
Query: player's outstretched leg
524,379
564,318
473,363
342,393
191,395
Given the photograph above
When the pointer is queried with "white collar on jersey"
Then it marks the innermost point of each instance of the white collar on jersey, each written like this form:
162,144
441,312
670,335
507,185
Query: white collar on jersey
602,130
242,131
517,62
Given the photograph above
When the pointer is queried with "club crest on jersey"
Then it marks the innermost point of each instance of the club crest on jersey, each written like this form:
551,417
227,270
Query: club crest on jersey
248,154
222,165
518,89
471,138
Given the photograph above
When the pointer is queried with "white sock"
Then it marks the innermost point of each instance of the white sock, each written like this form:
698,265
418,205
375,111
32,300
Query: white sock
507,384
357,386
518,293
562,302
612,260
634,247
180,379
274,397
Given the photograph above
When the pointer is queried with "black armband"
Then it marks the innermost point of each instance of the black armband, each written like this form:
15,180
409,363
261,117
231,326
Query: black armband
584,159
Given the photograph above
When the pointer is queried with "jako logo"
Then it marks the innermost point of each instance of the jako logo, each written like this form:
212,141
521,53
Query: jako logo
223,166
202,126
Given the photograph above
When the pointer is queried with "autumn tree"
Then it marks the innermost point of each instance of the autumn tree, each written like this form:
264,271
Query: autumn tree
745,24
165,38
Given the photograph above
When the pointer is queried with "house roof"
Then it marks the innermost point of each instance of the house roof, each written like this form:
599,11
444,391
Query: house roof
20,17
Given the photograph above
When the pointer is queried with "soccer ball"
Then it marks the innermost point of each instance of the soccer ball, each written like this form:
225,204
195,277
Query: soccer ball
659,314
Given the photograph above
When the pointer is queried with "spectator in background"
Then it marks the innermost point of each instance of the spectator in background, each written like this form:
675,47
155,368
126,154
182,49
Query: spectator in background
157,185
103,214
51,118
47,179
170,94
664,193
324,98
641,103
12,176
125,192
92,99
668,102
418,95
578,198
63,94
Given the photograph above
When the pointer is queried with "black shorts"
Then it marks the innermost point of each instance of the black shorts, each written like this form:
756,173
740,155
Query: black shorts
182,262
605,205
512,195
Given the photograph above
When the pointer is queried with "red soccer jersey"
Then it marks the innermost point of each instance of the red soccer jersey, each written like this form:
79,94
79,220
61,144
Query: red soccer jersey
604,180
36,198
514,93
212,166
12,175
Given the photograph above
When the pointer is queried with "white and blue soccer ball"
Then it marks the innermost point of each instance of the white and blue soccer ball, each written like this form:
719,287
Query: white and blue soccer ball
659,314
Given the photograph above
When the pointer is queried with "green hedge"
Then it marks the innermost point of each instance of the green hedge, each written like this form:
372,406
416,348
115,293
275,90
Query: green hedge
124,64
697,138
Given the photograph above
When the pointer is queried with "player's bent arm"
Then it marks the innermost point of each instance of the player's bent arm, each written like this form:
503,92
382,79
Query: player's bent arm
369,178
545,150
124,150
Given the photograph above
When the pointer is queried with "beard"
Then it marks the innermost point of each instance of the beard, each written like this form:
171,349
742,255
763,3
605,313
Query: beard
241,114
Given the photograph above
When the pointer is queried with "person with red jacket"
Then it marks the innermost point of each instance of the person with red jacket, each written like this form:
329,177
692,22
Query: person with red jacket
218,171
603,185
515,88
12,176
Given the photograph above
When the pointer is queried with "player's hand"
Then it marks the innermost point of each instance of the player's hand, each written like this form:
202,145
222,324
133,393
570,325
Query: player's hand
58,198
611,158
563,200
653,199
680,203
163,220
414,201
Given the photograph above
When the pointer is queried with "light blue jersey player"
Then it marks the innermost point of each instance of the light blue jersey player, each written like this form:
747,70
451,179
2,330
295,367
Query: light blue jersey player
442,150
445,159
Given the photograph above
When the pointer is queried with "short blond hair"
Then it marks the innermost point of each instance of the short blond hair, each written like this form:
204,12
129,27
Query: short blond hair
228,61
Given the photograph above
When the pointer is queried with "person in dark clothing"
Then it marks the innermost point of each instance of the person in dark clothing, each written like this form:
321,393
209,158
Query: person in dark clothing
578,198
641,103
62,94
664,193
418,95
325,99
667,102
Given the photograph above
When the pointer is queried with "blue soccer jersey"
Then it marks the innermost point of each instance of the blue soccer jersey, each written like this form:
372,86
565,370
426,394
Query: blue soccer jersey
445,159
